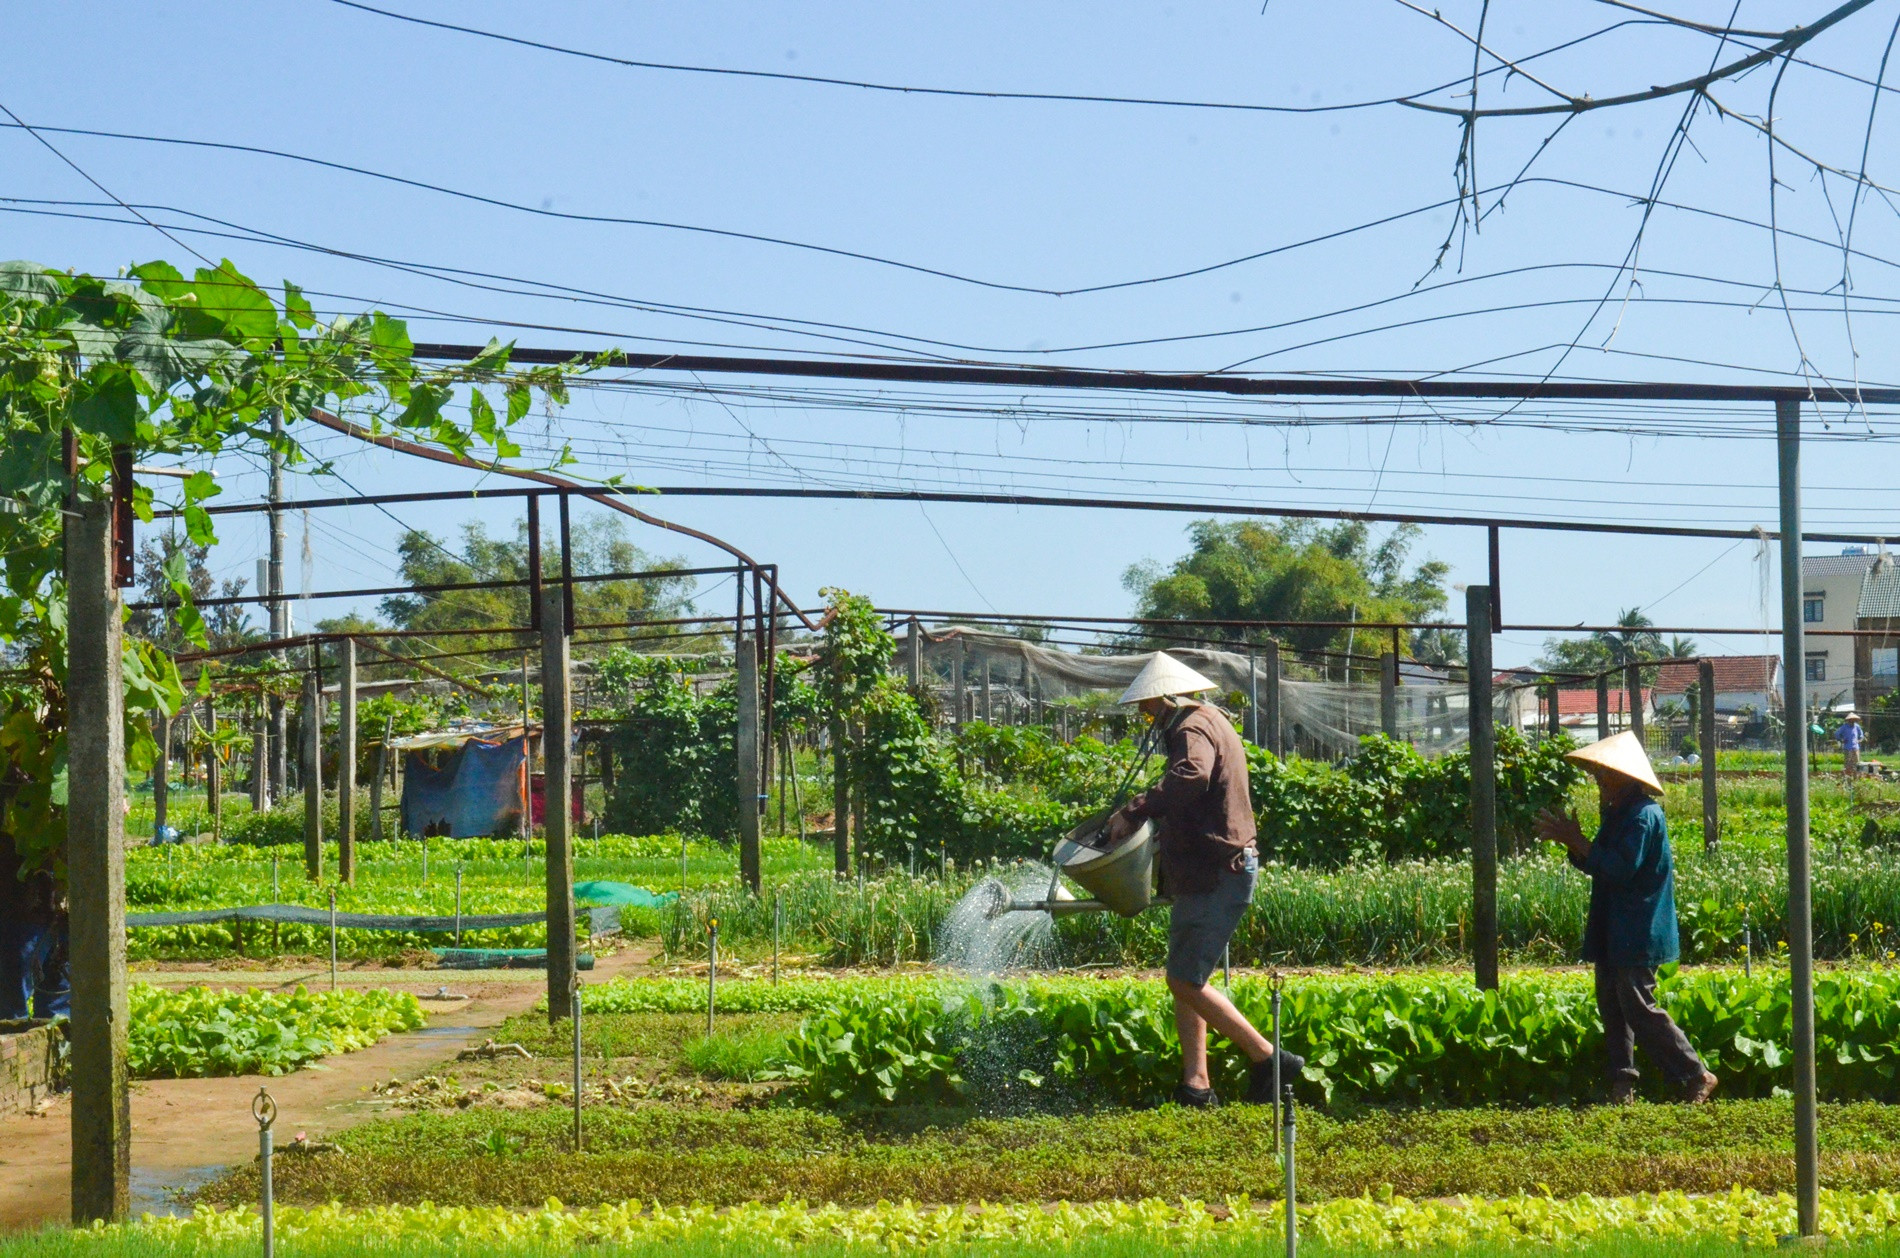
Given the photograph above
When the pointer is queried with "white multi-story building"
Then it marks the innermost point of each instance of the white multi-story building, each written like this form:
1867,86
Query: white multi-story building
1830,599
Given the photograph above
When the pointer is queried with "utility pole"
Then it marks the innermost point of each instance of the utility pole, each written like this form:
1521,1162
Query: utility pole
746,675
1484,789
557,743
313,768
279,619
346,762
1794,727
95,864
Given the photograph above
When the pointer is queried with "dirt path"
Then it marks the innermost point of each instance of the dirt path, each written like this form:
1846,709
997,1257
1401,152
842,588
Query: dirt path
185,1131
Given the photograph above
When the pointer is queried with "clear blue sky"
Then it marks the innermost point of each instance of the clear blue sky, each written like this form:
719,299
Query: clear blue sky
1043,194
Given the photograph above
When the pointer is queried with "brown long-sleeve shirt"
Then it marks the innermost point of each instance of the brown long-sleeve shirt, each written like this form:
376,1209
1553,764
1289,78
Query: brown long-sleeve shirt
1202,803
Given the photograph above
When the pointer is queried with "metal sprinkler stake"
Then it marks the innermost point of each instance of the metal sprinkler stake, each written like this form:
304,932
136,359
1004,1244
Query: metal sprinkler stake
264,1110
778,925
1748,947
712,969
577,1066
1292,1195
1276,1054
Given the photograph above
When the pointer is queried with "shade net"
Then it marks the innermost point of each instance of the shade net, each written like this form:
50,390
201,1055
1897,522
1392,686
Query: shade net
1026,680
601,920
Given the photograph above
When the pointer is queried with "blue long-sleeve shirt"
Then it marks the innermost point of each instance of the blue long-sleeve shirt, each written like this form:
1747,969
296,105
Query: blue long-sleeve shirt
1632,888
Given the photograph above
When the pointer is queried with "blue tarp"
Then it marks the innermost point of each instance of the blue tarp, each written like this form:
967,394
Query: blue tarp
466,792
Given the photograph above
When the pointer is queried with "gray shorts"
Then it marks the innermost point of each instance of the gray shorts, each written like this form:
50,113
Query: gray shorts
1200,924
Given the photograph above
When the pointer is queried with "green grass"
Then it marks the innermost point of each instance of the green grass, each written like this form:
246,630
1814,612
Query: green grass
679,1154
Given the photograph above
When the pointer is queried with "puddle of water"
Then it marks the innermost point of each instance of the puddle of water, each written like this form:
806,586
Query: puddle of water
160,1192
443,1032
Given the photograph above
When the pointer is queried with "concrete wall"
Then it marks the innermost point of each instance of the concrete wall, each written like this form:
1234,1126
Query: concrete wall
32,1063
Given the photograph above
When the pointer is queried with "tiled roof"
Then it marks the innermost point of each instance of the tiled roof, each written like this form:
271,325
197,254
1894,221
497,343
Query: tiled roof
1584,702
1880,591
1835,565
1734,674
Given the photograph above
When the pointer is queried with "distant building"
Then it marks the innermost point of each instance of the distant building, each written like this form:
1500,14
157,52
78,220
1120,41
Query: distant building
1741,681
1830,599
1876,659
1577,711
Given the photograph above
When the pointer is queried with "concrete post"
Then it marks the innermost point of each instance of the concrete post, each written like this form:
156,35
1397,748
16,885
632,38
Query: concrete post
1270,704
95,864
312,772
1795,733
989,713
557,751
1711,807
1603,706
1389,694
914,653
1633,686
746,674
960,666
376,784
346,762
1250,727
1484,789
161,772
1554,723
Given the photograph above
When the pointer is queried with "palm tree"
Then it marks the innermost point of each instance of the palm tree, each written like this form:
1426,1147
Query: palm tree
1681,648
1632,640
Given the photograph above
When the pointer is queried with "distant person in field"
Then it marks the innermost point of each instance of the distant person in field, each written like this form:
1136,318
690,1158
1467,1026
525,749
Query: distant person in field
1851,736
1209,863
1632,924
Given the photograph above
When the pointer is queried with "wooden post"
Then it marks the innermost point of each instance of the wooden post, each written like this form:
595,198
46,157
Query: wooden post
527,760
95,864
989,713
1711,808
1389,694
1250,727
1555,716
914,653
346,763
214,770
1633,685
376,783
1270,705
1603,706
1484,787
161,773
746,745
840,797
557,815
312,720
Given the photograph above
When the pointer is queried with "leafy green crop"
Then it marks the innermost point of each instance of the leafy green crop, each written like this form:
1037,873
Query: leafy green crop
1410,1039
1346,1224
201,1031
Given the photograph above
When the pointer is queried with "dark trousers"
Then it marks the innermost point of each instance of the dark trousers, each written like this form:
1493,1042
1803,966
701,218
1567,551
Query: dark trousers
1626,1001
33,970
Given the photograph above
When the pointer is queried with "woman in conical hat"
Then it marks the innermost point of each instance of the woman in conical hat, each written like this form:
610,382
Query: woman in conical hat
1209,864
1632,924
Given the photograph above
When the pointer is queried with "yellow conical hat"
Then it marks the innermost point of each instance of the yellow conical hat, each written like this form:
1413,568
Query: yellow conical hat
1620,754
1164,675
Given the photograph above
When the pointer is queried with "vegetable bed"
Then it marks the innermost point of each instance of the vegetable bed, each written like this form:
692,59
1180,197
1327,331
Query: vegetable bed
1430,1039
201,1031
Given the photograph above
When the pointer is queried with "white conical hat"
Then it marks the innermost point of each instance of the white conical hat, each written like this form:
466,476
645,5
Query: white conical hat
1620,754
1164,675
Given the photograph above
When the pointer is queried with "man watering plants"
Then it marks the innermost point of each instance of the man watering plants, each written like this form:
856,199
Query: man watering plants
1631,928
1204,813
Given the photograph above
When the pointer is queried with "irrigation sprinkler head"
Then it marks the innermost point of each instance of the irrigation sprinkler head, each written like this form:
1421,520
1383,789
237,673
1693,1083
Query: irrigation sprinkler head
996,899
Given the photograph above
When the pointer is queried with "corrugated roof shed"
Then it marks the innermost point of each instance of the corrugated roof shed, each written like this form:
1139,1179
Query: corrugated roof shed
1880,590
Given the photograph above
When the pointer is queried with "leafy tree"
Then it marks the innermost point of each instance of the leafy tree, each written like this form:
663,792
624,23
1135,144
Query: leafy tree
599,544
163,564
1290,570
156,364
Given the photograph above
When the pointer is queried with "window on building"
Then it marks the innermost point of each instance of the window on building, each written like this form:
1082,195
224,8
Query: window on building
1813,608
1886,662
1817,666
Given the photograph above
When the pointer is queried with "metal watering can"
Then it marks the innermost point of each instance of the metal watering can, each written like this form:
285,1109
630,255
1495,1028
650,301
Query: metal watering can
1121,878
